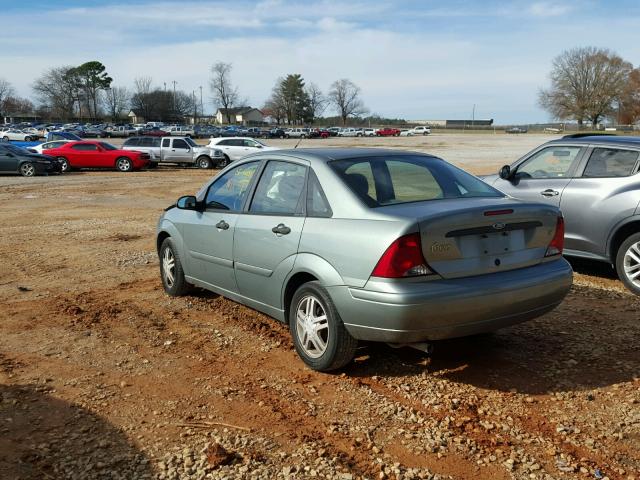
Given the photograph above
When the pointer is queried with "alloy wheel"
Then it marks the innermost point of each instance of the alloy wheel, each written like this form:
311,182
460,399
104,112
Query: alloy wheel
27,170
123,164
168,267
632,264
312,326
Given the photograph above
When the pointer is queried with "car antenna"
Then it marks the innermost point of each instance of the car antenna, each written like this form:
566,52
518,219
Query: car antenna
298,142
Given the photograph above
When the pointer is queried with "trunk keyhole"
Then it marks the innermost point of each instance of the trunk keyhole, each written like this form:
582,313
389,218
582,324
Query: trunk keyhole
497,262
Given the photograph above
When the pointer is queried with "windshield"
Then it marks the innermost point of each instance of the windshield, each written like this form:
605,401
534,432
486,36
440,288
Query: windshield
390,180
107,146
190,142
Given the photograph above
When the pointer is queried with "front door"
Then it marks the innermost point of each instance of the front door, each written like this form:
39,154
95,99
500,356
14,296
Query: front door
594,202
180,151
8,161
208,235
267,236
543,176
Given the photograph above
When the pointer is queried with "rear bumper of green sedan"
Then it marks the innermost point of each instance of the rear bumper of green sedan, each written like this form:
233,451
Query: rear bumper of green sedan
419,311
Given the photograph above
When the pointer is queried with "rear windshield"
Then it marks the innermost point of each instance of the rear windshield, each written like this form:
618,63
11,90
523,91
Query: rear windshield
391,180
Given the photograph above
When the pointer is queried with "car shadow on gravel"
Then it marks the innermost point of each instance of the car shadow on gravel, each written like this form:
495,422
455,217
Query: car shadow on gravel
44,437
582,345
591,267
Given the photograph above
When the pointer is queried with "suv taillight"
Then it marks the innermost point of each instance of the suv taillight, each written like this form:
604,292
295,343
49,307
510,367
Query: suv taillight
557,242
402,259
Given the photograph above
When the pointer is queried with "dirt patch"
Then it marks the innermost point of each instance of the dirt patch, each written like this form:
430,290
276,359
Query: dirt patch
101,374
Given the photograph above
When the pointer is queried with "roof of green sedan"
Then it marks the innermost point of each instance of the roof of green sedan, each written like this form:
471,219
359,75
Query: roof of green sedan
328,153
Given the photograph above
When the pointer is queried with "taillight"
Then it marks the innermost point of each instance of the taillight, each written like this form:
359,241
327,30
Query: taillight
403,258
557,242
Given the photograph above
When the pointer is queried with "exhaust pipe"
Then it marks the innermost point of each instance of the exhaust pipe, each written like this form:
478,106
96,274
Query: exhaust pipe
422,346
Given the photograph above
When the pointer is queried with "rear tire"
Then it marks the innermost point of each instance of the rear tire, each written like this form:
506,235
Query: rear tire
171,271
224,162
628,263
64,164
123,164
319,336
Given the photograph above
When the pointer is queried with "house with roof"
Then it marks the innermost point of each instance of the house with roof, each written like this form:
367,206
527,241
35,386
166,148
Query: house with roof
240,116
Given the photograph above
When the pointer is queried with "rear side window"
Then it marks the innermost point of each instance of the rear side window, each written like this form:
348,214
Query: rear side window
611,162
166,142
317,204
390,180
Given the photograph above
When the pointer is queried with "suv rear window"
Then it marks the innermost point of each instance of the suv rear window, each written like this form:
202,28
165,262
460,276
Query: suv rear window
390,180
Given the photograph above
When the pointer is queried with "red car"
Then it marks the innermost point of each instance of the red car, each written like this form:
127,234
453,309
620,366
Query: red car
388,132
154,132
98,155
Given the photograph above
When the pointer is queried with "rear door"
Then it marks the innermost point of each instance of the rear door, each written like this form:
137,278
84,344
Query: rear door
267,237
543,176
606,191
208,235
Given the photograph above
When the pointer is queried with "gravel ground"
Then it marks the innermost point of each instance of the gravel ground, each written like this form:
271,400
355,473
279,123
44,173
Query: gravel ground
104,376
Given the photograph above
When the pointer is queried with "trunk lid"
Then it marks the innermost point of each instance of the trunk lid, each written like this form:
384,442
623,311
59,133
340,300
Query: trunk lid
486,237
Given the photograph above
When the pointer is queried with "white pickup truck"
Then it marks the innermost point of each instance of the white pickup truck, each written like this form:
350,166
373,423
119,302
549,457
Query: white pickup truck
121,131
177,150
180,131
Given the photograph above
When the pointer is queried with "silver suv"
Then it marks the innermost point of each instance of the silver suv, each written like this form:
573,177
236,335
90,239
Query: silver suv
594,180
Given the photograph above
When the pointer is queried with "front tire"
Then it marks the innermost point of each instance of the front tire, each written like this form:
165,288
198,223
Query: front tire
319,336
123,164
171,271
204,162
628,263
27,169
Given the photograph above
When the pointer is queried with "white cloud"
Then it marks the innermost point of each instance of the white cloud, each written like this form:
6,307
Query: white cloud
549,9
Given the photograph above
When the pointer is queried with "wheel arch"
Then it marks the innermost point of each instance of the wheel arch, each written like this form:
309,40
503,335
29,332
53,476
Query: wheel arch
308,268
631,226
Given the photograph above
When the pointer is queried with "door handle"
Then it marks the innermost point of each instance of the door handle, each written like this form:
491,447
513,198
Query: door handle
281,229
222,225
549,192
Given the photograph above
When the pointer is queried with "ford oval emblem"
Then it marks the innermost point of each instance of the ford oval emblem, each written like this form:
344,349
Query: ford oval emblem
499,226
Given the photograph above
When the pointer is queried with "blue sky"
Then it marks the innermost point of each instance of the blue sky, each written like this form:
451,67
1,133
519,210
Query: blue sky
412,59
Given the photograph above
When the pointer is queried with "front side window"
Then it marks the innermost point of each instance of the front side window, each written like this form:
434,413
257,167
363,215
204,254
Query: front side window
550,162
132,142
389,180
181,144
229,191
280,189
86,147
611,162
224,142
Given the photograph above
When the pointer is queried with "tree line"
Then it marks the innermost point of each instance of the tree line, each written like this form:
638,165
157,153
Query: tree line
588,84
87,92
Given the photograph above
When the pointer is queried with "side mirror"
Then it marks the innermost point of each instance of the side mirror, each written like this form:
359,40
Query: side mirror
258,146
505,172
188,202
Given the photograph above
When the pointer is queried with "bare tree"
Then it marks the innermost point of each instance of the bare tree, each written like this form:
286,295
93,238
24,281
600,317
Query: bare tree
585,83
116,101
629,103
344,96
317,102
6,91
142,100
225,95
57,90
275,106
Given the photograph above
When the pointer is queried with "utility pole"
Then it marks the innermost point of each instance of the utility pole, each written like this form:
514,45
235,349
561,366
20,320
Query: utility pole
174,98
195,106
473,115
165,86
201,105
